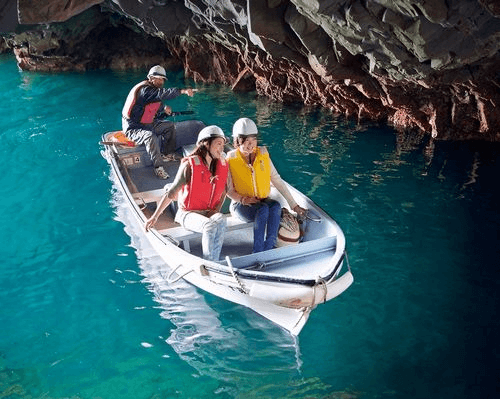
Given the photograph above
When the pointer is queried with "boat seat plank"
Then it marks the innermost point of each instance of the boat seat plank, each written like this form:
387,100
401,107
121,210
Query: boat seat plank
148,196
183,235
303,249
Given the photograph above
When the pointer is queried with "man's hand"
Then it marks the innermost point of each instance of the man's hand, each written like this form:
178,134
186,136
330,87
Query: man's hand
167,110
189,92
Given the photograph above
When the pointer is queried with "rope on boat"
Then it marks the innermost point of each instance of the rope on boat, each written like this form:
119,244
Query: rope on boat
304,310
319,281
347,260
179,277
233,272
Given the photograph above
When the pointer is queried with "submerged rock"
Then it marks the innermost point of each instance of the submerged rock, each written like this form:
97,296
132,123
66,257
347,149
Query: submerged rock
430,66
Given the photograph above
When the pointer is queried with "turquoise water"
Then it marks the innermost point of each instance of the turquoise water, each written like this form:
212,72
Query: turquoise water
86,312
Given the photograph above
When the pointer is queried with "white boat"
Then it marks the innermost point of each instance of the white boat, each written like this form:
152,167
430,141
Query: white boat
283,284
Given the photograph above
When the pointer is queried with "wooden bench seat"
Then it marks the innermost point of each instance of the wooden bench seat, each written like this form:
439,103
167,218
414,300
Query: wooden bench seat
179,233
183,235
146,197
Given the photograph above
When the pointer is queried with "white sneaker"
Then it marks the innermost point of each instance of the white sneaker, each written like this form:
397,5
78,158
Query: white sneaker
160,173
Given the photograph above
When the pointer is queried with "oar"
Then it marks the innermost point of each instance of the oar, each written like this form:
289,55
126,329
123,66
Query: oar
181,113
176,113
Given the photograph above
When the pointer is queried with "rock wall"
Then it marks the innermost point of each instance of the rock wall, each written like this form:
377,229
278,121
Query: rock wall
418,64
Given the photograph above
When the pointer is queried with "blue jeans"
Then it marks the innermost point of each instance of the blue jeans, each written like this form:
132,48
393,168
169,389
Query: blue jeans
266,214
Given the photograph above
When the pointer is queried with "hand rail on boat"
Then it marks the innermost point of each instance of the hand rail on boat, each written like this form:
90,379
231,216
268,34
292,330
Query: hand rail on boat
167,236
266,276
315,218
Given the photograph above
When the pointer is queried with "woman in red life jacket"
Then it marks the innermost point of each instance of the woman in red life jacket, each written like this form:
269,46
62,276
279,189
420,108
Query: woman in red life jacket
200,187
140,116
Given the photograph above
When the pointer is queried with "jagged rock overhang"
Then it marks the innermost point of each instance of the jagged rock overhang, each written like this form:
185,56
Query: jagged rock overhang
416,64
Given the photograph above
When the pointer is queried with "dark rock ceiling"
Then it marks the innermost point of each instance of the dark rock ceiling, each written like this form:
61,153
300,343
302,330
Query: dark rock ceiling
424,65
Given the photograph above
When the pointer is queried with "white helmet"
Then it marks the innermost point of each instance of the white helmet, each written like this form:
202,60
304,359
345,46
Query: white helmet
244,127
210,131
157,72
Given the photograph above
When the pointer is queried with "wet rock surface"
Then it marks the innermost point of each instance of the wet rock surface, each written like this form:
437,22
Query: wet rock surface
426,65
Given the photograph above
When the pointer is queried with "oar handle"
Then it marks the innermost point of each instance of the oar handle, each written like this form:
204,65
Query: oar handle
176,113
182,113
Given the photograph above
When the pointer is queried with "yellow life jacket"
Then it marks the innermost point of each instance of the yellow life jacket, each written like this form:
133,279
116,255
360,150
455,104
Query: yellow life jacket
251,180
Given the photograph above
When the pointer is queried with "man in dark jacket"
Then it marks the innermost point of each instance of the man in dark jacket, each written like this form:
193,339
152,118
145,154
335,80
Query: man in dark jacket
140,116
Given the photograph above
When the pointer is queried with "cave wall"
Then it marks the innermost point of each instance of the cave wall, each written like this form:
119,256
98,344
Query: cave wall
417,64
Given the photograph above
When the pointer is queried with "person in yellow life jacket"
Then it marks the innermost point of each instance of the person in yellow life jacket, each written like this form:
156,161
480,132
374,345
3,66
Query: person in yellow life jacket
252,173
140,117
200,188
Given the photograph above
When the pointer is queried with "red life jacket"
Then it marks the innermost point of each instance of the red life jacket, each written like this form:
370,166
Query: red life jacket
204,191
148,112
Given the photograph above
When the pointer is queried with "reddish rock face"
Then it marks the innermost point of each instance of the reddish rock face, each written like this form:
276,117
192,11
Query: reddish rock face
430,66
36,11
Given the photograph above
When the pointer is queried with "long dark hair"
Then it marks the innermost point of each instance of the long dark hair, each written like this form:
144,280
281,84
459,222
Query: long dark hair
202,150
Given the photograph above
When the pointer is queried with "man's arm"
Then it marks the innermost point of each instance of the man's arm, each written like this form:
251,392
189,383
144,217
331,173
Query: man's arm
153,94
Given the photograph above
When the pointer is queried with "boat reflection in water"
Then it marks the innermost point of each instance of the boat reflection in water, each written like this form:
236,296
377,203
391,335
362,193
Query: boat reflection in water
221,340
